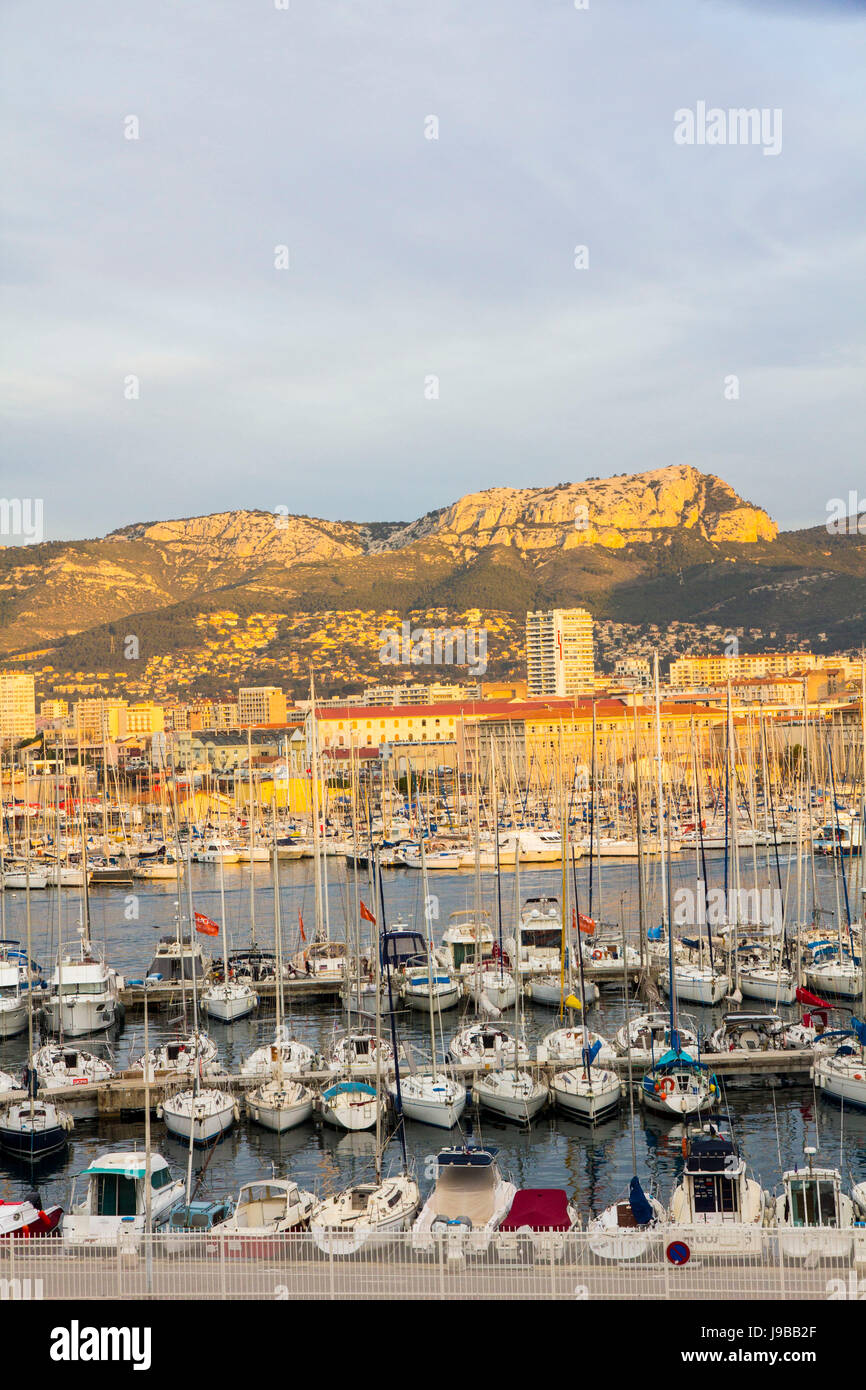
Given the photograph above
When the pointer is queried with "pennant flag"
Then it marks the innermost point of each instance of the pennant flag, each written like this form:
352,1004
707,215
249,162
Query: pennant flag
301,925
366,913
206,925
572,1002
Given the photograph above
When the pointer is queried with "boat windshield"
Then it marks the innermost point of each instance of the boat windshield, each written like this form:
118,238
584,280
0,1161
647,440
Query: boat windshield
715,1195
813,1202
115,1195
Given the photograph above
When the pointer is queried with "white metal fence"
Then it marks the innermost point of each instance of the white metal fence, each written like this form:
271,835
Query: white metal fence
756,1265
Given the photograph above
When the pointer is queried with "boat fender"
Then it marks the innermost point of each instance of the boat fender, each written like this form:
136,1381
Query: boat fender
712,1088
685,1147
858,1076
236,1111
159,1112
476,1098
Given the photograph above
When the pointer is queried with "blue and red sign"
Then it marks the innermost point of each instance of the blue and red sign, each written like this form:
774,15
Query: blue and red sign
678,1252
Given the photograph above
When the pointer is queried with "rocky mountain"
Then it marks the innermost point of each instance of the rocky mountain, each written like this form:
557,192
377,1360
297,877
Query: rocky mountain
669,545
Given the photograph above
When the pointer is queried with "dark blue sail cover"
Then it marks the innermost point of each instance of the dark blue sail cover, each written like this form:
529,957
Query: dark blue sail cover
640,1207
590,1053
859,1029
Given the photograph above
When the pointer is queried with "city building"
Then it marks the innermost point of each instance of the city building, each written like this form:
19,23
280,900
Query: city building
696,672
261,704
559,653
17,706
54,709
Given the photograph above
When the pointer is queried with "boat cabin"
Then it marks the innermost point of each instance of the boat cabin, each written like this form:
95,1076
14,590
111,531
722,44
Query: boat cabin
713,1176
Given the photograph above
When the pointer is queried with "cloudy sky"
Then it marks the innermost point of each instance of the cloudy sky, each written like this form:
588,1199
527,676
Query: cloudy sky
412,258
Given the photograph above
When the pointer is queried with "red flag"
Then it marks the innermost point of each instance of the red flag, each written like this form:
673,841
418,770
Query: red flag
301,925
586,924
367,914
206,925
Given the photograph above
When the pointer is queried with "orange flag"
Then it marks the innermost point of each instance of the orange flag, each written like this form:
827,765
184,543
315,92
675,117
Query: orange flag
206,925
301,925
367,914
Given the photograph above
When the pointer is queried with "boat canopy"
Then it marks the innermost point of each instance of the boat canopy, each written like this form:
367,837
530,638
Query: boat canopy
540,1208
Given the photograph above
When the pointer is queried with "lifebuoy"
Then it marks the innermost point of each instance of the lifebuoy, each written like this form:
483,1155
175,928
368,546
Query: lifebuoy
666,1086
597,955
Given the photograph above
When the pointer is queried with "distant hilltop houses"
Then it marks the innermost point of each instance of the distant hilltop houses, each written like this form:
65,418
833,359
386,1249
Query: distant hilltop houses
417,723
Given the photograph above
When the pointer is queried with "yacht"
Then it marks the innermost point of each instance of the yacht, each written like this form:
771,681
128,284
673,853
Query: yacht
814,1216
485,1045
469,1201
84,994
176,961
58,1065
679,1085
115,1200
716,1193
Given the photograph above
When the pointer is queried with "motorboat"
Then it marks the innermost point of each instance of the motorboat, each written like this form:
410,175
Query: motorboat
469,1201
176,961
715,1197
84,995
20,875
115,1200
490,986
815,1218
467,939
266,1212
322,960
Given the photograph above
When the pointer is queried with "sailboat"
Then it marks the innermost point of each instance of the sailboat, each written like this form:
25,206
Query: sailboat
230,999
280,1103
513,1092
841,1075
200,1115
365,1212
13,1005
33,1130
434,1097
677,1084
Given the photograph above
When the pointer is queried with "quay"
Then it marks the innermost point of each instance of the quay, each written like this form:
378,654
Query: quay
125,1093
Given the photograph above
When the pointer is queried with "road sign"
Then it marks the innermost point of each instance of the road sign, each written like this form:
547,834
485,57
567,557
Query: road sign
678,1252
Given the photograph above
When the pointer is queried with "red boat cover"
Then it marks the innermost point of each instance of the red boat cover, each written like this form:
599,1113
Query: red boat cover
541,1208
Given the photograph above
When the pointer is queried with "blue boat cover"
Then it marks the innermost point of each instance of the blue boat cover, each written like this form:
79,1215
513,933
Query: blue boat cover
640,1207
590,1053
655,933
859,1029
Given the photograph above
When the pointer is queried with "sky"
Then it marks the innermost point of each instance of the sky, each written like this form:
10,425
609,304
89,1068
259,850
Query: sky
434,332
